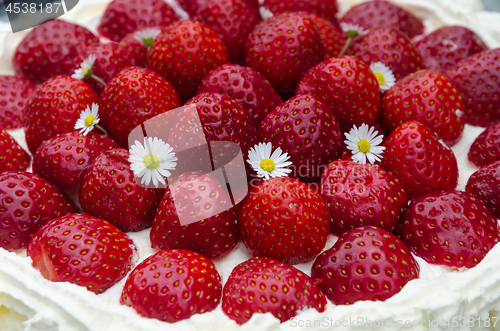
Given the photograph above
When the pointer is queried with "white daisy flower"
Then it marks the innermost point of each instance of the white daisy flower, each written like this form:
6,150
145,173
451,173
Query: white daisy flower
152,160
265,13
85,69
364,144
88,119
267,165
384,75
147,36
353,30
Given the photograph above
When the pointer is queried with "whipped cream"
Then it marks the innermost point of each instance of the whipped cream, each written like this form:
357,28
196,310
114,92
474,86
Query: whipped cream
31,303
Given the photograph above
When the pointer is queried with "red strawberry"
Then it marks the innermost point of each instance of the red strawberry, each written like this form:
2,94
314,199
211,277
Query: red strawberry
64,158
377,14
304,128
454,229
391,47
485,185
110,60
138,47
429,97
232,20
246,86
333,39
196,214
132,97
82,250
109,191
347,86
366,263
192,6
173,285
446,46
263,285
477,79
282,218
184,53
50,49
54,108
325,9
27,202
362,195
14,93
124,16
12,156
486,148
420,160
282,48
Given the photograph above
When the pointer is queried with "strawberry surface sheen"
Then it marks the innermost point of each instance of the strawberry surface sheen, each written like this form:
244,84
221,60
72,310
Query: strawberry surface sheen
282,218
27,202
63,159
362,195
366,263
347,86
486,147
429,97
124,16
132,97
454,229
173,285
283,47
12,156
82,250
54,108
14,94
109,191
304,128
50,49
420,160
263,285
184,53
326,9
196,193
485,185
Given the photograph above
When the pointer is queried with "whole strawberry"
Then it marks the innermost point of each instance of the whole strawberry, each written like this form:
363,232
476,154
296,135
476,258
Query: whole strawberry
184,53
172,285
333,39
196,214
347,86
138,43
420,160
246,86
14,94
54,108
132,97
428,97
232,21
283,47
486,147
50,49
391,47
484,184
454,229
285,220
82,250
27,202
377,14
476,77
366,263
263,285
304,128
192,6
109,191
325,9
446,46
124,16
64,158
12,156
362,195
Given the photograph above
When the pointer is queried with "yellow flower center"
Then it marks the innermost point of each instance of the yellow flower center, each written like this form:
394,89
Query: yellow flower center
85,69
267,164
89,120
364,146
151,161
380,78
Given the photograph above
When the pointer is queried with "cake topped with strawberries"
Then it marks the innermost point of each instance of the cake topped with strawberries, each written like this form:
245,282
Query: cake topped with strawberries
251,165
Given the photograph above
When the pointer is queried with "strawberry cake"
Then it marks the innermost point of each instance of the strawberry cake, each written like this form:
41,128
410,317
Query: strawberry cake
438,296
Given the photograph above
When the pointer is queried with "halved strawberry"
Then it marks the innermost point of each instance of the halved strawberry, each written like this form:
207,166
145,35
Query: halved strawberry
485,185
15,92
12,156
486,147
